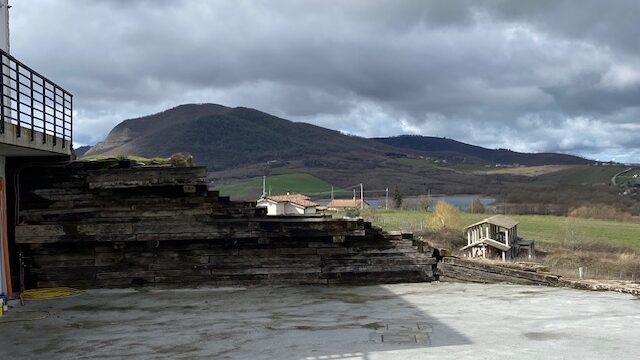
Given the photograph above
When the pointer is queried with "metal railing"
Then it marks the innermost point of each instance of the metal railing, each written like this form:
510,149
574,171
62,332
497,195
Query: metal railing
30,100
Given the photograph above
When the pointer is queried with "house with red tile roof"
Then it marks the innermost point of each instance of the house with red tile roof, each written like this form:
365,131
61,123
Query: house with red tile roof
290,204
343,204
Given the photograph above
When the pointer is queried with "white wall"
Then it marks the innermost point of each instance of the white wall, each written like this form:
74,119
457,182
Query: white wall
284,208
272,209
290,209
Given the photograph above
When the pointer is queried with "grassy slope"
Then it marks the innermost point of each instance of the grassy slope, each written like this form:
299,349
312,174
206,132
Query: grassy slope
530,170
546,230
280,184
583,175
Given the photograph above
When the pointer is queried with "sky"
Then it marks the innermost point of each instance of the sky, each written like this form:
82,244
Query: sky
546,75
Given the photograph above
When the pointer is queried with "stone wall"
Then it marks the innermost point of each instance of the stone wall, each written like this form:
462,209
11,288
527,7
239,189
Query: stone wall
112,224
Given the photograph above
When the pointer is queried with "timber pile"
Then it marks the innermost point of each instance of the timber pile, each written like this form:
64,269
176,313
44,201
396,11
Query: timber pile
113,224
621,286
466,270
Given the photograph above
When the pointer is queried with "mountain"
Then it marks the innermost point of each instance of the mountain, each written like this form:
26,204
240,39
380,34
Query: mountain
221,138
81,150
240,143
452,150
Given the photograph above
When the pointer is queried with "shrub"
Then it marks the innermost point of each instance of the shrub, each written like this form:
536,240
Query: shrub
445,216
352,213
604,212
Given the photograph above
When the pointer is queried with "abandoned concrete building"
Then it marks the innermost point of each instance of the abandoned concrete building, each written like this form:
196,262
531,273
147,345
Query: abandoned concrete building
496,237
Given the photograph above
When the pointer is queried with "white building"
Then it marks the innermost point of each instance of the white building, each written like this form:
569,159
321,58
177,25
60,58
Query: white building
290,204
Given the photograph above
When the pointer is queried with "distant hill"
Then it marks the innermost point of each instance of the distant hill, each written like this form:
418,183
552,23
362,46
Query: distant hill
452,150
242,143
81,150
222,138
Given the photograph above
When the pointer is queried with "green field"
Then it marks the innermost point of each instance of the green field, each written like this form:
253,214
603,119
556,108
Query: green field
280,184
544,229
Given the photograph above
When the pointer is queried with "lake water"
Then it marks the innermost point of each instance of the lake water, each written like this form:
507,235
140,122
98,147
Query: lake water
462,202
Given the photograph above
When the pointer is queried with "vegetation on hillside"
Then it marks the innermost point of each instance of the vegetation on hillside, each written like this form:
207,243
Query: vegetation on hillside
456,151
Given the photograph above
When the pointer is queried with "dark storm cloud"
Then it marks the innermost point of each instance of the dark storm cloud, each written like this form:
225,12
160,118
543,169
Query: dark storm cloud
533,76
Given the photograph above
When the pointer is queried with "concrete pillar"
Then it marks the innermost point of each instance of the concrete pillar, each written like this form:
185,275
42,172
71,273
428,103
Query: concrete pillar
3,275
4,25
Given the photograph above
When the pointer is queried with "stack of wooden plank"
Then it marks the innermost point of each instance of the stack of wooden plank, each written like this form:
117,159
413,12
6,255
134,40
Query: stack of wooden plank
112,223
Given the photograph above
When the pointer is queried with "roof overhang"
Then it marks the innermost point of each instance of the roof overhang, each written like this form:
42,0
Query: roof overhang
490,242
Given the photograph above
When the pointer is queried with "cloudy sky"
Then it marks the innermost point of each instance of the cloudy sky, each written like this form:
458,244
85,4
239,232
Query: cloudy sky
526,75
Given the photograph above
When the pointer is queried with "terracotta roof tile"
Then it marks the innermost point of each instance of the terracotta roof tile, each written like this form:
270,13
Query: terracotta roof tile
298,199
345,203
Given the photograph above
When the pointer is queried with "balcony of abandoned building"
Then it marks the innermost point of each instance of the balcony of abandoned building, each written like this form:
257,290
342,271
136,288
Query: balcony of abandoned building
36,113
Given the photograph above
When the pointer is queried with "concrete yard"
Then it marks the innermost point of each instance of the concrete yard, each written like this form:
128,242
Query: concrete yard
404,321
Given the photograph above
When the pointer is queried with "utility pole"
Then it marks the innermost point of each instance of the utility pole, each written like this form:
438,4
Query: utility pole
264,186
361,196
386,199
332,193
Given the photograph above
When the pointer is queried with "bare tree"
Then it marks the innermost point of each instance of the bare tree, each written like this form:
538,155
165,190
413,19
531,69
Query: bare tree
476,206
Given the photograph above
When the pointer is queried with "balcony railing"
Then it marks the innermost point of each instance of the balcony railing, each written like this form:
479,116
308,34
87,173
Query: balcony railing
31,101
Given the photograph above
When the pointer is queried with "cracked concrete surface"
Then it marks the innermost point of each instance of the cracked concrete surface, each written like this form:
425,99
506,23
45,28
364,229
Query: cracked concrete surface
421,321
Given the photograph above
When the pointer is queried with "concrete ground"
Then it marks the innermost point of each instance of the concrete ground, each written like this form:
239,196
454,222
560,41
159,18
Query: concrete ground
404,321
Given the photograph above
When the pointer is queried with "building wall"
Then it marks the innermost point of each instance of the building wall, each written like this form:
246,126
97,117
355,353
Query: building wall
285,208
290,209
272,209
4,45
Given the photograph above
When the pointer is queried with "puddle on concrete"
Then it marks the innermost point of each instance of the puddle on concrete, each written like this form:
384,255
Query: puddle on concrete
534,292
543,336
